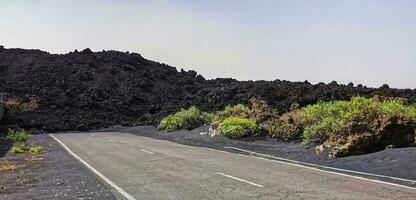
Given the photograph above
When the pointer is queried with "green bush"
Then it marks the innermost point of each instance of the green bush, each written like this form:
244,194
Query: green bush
18,149
331,120
35,149
283,130
184,119
18,135
236,127
238,110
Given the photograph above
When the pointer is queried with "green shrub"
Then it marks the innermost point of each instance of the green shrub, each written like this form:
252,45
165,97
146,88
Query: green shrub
236,127
331,120
207,117
35,149
283,130
18,149
18,135
184,119
238,110
397,107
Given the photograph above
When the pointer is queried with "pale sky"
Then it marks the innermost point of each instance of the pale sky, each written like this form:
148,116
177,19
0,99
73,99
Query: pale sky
361,41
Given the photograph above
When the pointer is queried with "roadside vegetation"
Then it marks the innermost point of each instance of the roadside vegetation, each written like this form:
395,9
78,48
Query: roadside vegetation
7,166
361,125
14,105
21,137
35,149
16,148
237,127
18,135
184,119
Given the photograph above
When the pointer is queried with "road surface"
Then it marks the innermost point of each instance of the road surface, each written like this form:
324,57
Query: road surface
144,168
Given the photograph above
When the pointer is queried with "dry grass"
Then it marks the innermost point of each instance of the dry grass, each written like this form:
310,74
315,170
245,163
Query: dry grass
33,158
12,104
7,166
15,105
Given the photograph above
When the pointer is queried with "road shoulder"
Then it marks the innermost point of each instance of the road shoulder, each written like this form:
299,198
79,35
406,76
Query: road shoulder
56,175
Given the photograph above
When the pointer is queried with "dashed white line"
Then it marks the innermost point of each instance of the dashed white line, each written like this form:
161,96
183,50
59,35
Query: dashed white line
239,179
110,140
112,184
146,151
92,134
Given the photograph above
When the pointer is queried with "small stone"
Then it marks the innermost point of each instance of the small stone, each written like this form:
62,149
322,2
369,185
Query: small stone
320,149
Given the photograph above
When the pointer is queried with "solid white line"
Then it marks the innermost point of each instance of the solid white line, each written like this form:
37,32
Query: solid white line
115,186
146,151
239,179
301,164
322,166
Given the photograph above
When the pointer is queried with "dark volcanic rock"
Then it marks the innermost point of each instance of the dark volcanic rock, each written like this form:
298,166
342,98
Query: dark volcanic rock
86,90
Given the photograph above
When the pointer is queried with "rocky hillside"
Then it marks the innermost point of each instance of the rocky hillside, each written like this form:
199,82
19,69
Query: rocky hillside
90,90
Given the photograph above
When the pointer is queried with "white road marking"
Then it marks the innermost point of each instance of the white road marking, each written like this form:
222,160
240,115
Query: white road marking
146,151
239,179
302,165
92,134
112,184
110,140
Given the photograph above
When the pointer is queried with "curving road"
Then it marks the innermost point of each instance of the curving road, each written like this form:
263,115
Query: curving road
144,168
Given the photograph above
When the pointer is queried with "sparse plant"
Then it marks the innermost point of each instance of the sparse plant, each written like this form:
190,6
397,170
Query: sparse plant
14,105
18,149
236,127
35,149
7,166
32,105
18,135
33,158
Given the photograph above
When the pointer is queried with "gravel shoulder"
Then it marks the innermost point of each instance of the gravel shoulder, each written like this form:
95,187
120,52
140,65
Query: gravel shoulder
55,175
400,162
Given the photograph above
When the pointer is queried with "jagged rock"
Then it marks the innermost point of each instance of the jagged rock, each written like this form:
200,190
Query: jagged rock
103,89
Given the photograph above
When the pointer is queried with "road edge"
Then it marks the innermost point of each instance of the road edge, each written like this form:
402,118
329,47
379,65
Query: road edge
95,171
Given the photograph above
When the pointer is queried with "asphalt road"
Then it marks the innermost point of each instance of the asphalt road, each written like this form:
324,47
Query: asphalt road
145,168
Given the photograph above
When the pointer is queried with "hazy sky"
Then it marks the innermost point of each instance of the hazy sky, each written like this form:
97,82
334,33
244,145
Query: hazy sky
361,41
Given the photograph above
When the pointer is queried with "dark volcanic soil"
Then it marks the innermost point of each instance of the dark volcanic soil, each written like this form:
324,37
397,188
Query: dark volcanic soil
57,176
86,90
